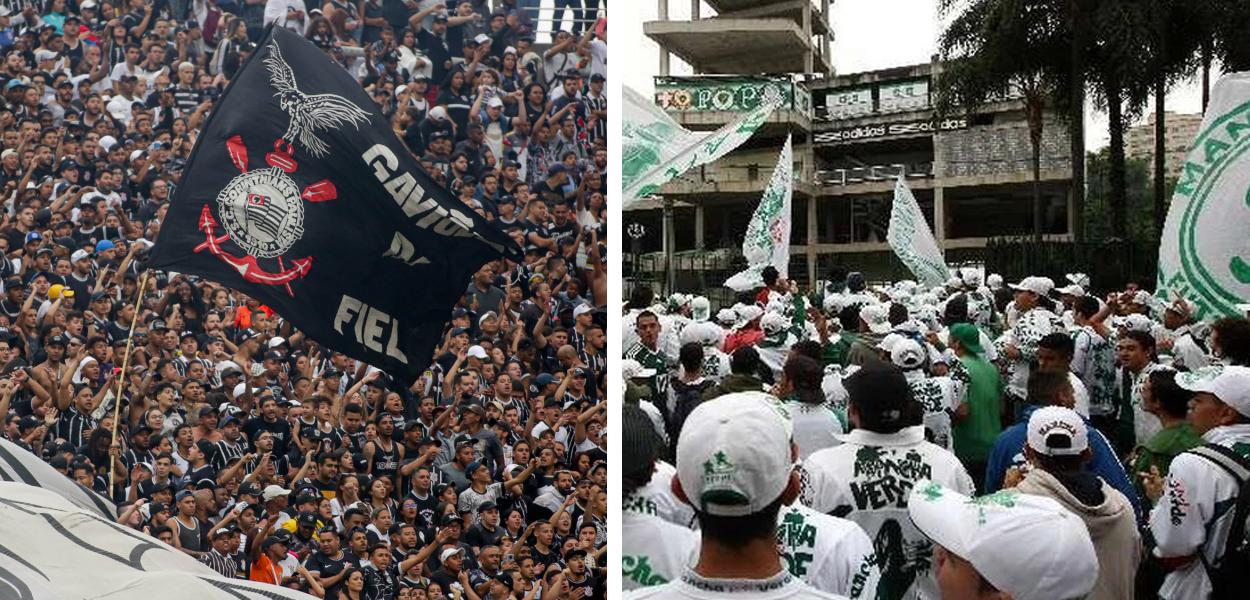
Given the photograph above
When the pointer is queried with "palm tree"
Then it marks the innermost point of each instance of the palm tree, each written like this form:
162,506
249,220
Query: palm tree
1176,44
996,49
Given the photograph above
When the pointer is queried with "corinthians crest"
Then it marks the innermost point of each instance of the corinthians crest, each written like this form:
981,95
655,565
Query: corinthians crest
262,210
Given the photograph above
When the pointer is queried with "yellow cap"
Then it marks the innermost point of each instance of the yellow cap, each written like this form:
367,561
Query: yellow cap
58,291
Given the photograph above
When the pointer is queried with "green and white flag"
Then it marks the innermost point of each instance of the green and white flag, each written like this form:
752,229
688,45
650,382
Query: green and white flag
655,149
1204,256
767,240
912,241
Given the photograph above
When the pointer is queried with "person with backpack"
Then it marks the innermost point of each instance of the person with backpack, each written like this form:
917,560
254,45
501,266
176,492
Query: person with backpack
1199,521
686,390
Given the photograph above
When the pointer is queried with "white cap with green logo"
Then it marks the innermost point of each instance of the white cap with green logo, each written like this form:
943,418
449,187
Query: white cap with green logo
1231,384
733,456
1028,546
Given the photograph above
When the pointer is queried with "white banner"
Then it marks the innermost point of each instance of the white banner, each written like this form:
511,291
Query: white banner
51,549
767,240
16,464
912,241
1203,255
655,149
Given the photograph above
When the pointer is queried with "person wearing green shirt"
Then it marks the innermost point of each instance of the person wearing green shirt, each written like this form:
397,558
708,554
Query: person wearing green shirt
977,421
1162,397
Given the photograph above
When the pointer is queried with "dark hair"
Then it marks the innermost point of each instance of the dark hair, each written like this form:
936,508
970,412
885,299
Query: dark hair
1172,398
691,357
805,374
1086,306
1143,339
770,275
809,348
956,310
849,318
898,314
1234,339
738,531
641,297
745,361
1044,387
1059,342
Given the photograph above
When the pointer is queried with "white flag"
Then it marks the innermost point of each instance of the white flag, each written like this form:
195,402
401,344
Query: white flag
655,149
767,240
912,241
1204,255
52,549
16,464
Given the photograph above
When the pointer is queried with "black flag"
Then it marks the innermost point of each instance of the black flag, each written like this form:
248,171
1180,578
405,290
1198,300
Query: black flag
299,194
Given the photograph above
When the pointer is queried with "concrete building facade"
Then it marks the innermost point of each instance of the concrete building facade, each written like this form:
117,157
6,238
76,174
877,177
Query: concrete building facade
1179,131
853,135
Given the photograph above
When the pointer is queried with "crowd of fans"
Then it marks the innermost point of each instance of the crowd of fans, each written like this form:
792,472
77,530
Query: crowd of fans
962,440
243,443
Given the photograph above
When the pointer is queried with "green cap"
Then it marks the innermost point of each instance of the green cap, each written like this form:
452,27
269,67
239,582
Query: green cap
969,337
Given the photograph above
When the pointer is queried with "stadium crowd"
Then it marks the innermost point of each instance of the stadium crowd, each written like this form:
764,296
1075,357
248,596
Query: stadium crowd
239,440
964,440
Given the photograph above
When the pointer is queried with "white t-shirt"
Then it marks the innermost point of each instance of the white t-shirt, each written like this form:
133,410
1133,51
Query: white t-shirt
781,586
659,491
830,554
653,551
816,427
598,57
868,478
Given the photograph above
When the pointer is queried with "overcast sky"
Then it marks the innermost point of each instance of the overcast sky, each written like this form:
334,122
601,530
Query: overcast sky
868,35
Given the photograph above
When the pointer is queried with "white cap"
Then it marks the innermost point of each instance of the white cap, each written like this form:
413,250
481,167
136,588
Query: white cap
834,303
273,491
774,322
490,314
1230,384
88,4
481,38
1142,297
907,354
276,341
877,317
700,308
1025,545
1134,322
582,309
726,316
1080,279
107,142
746,314
438,113
1071,290
1183,307
79,255
631,369
401,89
1038,285
134,155
494,102
1057,431
994,281
509,50
240,389
733,456
477,352
887,342
448,553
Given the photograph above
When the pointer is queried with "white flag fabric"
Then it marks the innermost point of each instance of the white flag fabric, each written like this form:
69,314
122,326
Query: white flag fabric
16,464
767,240
912,241
655,149
52,549
1204,255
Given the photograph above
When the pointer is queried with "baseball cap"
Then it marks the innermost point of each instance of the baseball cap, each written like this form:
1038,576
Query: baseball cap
632,369
733,457
248,488
1071,289
477,352
448,553
906,353
273,491
1231,384
307,519
582,309
877,317
969,337
58,290
1038,285
494,102
1057,431
34,236
1025,545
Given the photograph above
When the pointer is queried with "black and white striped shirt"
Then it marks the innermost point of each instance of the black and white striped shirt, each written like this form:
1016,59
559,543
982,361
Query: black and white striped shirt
600,129
70,425
225,452
225,565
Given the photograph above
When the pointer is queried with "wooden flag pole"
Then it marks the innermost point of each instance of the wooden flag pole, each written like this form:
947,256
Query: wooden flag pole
121,376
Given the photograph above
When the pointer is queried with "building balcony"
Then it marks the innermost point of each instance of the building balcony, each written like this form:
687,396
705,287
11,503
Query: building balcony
727,45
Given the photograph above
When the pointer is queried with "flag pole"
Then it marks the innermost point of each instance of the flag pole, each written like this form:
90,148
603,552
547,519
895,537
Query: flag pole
121,376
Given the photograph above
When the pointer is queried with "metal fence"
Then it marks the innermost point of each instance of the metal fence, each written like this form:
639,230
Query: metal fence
1109,264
